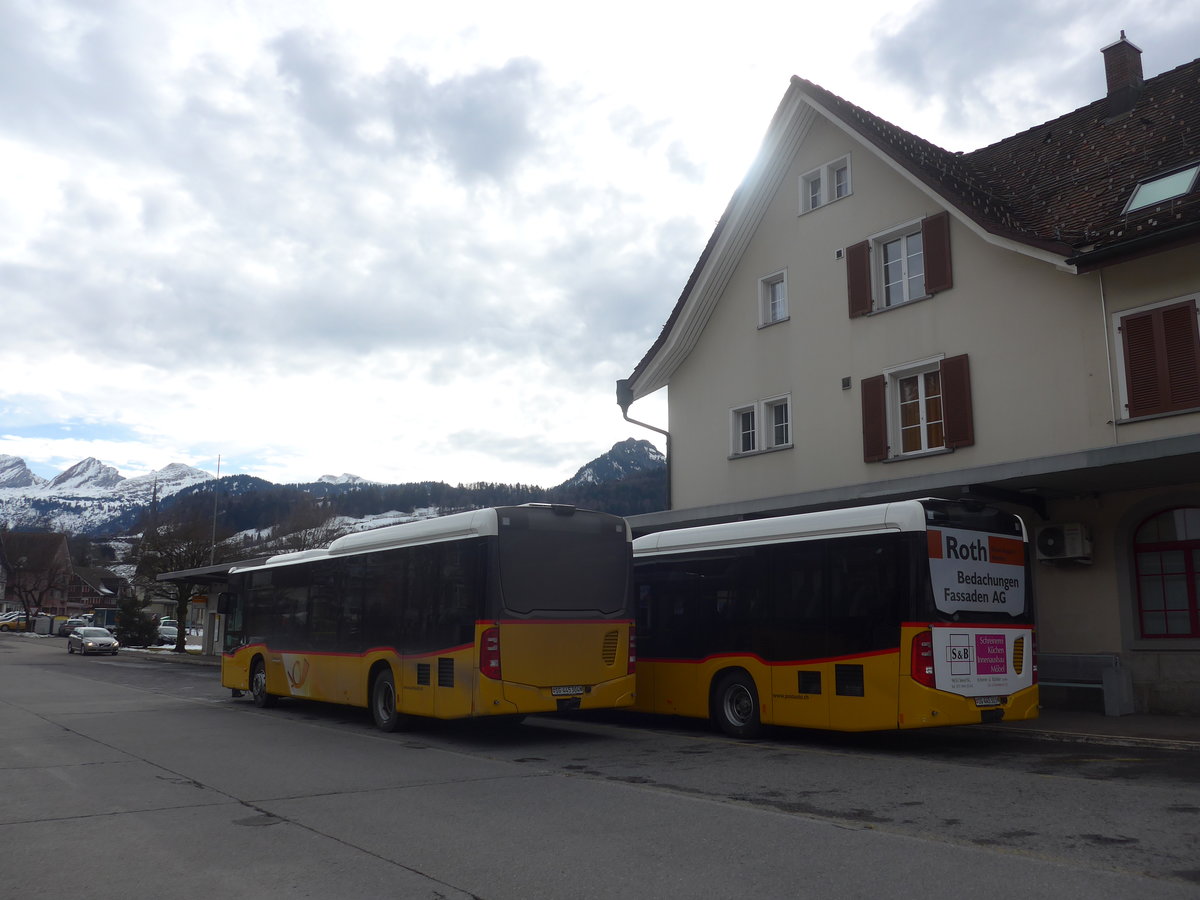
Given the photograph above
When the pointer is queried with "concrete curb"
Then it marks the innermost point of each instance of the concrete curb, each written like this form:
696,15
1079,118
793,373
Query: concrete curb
1110,740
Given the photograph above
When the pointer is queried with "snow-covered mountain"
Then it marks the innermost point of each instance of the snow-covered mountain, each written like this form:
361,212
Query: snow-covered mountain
344,478
626,458
87,475
86,495
15,474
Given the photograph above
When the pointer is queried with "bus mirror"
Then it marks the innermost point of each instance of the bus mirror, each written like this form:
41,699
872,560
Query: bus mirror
224,602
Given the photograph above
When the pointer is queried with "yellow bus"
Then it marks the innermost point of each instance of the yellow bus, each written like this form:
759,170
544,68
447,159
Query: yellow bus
493,612
899,615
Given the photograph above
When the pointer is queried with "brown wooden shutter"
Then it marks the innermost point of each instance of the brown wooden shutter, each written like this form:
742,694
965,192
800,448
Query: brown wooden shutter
956,402
935,238
1182,364
1162,360
858,278
1142,370
874,414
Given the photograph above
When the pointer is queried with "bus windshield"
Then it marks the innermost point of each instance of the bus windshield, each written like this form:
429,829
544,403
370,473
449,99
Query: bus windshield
555,563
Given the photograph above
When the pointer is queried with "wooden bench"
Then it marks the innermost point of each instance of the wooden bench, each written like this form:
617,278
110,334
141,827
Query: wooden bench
1096,671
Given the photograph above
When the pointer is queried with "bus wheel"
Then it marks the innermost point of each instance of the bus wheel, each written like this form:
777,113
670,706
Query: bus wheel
383,702
735,706
258,685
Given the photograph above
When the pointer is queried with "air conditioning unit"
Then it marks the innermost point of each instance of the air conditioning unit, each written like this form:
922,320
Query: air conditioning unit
1064,541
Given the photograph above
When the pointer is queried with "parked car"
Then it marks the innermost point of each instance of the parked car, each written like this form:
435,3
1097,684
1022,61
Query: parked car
70,625
167,634
15,621
88,639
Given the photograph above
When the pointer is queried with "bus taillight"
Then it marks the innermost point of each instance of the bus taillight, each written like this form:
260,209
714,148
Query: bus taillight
922,658
489,654
632,652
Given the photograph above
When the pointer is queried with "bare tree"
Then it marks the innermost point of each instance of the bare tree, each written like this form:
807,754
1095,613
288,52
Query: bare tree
176,541
34,586
309,527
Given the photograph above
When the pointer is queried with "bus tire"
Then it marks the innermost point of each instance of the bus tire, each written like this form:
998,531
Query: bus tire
258,685
735,706
383,702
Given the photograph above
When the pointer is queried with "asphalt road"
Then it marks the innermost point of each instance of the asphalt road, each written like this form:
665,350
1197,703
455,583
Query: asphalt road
120,776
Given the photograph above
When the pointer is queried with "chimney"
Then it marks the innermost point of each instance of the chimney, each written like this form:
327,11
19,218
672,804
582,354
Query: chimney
1123,72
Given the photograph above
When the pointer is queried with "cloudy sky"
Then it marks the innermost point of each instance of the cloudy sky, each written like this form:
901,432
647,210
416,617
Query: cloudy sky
422,241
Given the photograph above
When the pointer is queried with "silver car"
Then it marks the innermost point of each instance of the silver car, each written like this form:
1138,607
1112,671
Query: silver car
87,639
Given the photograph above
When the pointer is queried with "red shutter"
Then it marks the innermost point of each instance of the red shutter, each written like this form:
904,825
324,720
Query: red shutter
858,278
935,238
874,414
956,402
1162,360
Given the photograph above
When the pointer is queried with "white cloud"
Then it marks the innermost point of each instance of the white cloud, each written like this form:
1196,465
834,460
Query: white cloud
422,242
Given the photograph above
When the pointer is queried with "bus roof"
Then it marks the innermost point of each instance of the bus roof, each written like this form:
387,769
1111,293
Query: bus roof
474,523
904,515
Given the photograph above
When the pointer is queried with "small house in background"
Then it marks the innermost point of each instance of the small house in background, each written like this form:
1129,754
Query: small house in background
91,587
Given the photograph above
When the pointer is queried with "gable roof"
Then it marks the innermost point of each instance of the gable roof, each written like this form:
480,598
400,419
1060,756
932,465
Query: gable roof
1057,191
102,581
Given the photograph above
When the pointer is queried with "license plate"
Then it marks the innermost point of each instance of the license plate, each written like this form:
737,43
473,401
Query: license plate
987,701
567,690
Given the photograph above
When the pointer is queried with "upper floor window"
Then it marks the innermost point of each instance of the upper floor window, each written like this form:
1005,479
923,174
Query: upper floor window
779,422
1160,362
825,184
763,425
917,408
899,265
1166,551
903,261
745,430
772,298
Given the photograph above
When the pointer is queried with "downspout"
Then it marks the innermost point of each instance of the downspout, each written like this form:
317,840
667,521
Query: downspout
624,400
1112,385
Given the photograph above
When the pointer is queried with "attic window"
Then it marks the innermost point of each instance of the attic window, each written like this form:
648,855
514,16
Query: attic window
1165,187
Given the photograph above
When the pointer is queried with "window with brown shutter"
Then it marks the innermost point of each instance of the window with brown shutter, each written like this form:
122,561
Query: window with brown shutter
935,232
956,394
858,278
874,414
911,263
925,408
1162,360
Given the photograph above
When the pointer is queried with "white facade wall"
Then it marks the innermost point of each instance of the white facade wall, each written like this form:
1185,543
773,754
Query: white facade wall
1044,365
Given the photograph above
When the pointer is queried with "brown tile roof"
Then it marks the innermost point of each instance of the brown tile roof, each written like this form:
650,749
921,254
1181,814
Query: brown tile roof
1060,186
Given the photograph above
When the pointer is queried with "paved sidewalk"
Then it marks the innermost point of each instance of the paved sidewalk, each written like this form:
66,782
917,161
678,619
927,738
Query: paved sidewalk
1165,732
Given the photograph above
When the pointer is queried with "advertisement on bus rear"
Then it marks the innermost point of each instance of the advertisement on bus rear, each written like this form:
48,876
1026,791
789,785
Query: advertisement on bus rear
974,571
987,663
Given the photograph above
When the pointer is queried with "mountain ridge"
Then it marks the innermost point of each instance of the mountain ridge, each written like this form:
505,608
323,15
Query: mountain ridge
94,499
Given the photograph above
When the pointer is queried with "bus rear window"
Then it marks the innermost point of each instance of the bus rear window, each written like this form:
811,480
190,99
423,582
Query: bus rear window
977,563
553,563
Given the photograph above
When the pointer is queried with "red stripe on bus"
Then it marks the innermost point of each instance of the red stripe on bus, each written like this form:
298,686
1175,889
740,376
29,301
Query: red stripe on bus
976,625
487,623
760,660
333,653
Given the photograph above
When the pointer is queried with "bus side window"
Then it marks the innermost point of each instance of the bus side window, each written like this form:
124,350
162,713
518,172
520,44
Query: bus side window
799,612
865,584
